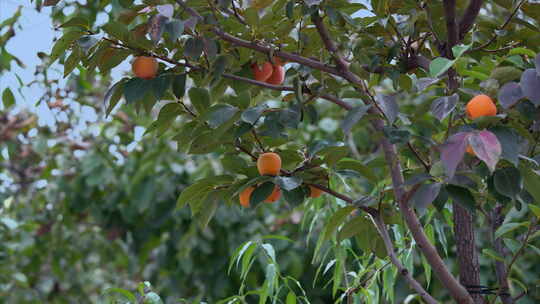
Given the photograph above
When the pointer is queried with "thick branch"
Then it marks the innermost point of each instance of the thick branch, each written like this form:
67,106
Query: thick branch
330,46
451,26
402,270
467,21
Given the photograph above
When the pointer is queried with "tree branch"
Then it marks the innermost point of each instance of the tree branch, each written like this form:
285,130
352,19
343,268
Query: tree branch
456,290
467,21
381,227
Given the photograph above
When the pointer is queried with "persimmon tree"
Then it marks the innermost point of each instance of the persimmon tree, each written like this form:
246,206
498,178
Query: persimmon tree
399,187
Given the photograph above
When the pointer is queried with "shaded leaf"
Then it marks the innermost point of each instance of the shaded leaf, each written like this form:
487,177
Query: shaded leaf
251,115
193,48
530,85
425,195
443,106
509,94
462,196
136,88
261,193
219,114
508,182
288,182
174,28
389,106
295,197
486,147
508,227
179,85
353,116
200,99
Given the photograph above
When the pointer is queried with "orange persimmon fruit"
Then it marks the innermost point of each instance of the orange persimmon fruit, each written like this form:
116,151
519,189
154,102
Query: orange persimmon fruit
262,72
245,196
145,67
479,106
269,164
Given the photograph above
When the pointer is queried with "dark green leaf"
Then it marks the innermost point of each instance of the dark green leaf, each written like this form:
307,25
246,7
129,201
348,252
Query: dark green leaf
251,115
294,197
193,48
261,193
179,85
353,116
200,99
7,98
508,182
462,196
136,88
219,114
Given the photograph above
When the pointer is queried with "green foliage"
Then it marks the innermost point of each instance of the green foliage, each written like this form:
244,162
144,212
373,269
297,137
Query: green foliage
113,211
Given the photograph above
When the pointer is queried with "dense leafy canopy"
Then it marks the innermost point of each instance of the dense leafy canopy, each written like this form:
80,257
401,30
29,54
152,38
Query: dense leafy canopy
371,112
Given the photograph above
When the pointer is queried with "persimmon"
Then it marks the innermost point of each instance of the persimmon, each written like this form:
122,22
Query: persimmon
274,196
145,67
470,150
479,106
278,61
314,192
278,75
262,72
269,163
245,196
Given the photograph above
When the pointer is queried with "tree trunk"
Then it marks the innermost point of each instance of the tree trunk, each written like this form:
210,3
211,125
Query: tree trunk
500,267
469,268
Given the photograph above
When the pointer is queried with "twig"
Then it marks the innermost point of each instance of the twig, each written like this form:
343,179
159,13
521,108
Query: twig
426,166
523,245
381,227
506,22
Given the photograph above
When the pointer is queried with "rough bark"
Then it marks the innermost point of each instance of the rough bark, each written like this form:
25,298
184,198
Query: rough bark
469,268
500,267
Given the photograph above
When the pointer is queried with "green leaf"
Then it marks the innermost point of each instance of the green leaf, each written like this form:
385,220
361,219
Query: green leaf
200,99
77,21
251,115
128,295
358,166
353,117
116,30
136,88
535,210
462,196
459,50
492,254
63,44
201,186
72,61
174,28
167,115
508,227
193,48
291,298
531,182
294,197
288,183
7,98
219,114
179,85
160,85
508,182
352,228
113,95
439,66
261,193
335,221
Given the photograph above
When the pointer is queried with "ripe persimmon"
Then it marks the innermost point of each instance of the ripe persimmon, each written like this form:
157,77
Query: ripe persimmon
274,196
145,67
479,106
278,75
262,72
278,61
470,150
269,164
245,196
314,192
